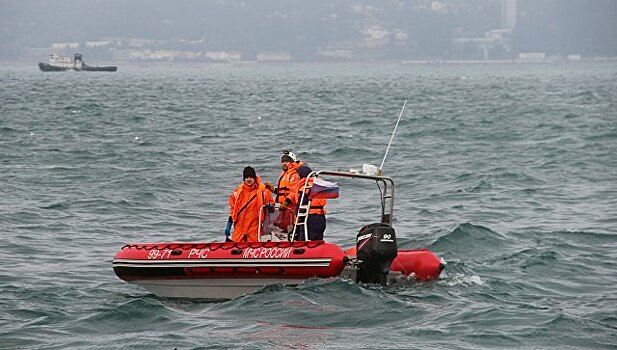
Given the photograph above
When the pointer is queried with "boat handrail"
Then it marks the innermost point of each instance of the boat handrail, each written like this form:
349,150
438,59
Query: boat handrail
387,198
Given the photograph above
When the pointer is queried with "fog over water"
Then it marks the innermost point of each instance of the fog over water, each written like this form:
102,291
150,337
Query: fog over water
308,31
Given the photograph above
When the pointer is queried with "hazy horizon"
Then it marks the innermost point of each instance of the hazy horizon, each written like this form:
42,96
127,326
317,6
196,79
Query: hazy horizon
309,31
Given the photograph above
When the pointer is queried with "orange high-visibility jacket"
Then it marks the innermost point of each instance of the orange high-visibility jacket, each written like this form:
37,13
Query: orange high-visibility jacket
287,181
244,204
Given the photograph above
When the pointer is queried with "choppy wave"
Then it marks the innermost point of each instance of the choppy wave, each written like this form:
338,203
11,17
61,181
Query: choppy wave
506,173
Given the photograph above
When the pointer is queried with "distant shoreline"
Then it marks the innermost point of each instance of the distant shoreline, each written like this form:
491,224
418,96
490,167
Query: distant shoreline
426,62
514,61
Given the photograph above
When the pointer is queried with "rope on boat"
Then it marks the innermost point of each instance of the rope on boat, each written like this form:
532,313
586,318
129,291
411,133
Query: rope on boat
213,246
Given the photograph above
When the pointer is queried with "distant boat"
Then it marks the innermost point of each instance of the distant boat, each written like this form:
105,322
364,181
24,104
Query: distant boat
59,63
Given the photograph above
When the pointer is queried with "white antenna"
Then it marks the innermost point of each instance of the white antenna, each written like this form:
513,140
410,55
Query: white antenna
391,138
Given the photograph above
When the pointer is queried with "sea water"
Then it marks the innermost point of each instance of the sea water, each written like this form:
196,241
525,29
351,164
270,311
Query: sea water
507,172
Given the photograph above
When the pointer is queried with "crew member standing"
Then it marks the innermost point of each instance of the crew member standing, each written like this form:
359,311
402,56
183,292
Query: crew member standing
289,176
245,203
316,219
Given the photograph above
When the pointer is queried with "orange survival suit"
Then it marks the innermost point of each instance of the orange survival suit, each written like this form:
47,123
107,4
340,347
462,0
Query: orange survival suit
287,181
245,203
316,219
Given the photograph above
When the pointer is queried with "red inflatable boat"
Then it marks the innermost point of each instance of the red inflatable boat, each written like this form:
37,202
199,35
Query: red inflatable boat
228,270
224,270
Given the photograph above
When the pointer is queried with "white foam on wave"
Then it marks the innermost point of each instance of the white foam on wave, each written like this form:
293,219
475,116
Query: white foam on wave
460,279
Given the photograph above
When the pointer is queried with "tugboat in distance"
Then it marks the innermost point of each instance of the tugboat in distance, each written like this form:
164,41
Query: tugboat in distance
59,64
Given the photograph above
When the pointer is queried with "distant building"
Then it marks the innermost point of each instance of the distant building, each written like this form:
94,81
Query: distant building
100,43
160,55
508,14
496,42
574,57
62,46
335,53
224,56
273,57
531,57
141,42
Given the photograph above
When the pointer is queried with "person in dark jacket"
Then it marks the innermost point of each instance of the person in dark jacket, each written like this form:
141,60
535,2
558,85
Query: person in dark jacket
316,220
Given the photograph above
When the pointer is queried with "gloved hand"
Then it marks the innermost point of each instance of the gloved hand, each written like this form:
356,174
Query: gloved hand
270,208
228,227
285,204
269,186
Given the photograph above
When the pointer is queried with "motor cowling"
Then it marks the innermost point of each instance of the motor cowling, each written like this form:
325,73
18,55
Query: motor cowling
376,248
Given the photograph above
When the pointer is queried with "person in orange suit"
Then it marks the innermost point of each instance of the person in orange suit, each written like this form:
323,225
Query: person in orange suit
245,203
289,176
316,219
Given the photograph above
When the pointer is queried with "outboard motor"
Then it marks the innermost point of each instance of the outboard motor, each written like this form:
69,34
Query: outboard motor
376,248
